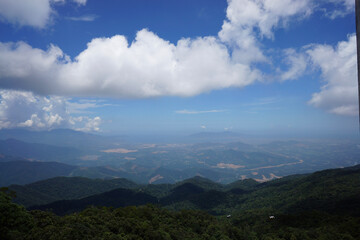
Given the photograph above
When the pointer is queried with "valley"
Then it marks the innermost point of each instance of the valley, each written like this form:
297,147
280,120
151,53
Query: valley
157,163
229,187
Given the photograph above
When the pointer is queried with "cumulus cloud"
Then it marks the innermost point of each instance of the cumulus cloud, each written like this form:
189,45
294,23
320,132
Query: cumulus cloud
25,109
151,66
247,20
338,67
34,13
27,68
91,124
111,67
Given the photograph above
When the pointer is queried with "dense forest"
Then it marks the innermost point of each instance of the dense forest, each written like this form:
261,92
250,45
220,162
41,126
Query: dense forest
322,205
151,222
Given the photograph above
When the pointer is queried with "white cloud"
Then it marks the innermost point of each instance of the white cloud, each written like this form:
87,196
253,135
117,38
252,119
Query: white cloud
297,63
27,68
198,112
84,18
338,67
24,109
110,67
91,125
34,13
340,8
247,20
203,126
83,105
80,2
151,66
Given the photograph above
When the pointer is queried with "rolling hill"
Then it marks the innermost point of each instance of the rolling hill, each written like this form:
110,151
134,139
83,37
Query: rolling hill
332,191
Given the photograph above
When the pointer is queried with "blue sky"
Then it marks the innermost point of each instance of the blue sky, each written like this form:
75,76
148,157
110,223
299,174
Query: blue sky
165,66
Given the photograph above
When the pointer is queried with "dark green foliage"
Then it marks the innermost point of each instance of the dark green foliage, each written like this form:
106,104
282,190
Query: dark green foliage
324,191
115,198
157,190
146,222
203,183
246,184
197,197
14,219
150,222
323,205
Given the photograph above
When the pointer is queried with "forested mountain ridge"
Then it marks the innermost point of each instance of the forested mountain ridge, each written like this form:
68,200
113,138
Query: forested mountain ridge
327,208
332,191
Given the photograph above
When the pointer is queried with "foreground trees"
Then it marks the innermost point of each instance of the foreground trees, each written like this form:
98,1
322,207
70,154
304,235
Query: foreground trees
151,222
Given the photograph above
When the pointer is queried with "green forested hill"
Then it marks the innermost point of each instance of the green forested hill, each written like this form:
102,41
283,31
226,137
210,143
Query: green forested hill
115,198
322,205
331,191
203,183
150,222
324,190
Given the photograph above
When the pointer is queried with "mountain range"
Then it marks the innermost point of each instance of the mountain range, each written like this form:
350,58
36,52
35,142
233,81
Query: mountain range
335,191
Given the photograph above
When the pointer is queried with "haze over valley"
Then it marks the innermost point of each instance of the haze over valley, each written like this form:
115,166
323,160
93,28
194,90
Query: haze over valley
222,157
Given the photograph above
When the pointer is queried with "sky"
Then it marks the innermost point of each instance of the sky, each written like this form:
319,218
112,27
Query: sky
179,67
